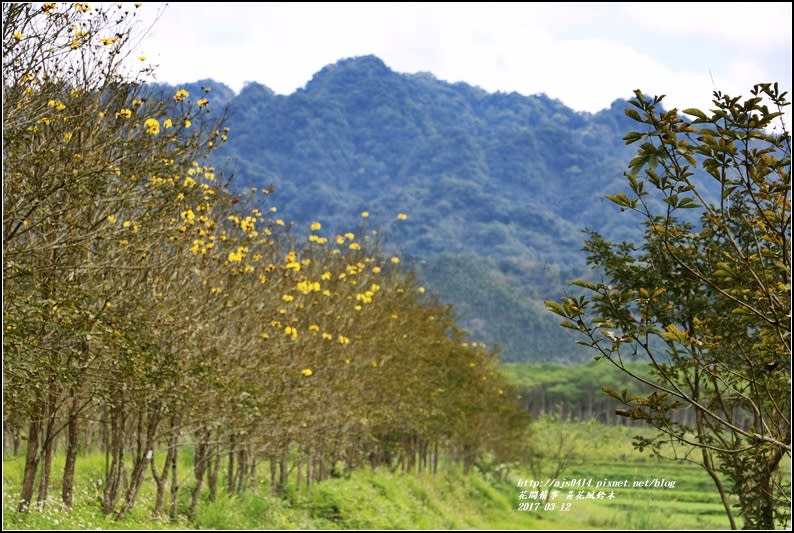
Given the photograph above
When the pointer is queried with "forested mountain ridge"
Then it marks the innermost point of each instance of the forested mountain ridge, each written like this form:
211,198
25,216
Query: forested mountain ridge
498,187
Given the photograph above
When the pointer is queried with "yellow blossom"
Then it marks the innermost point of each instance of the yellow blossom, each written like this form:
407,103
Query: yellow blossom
365,214
327,336
18,35
189,182
314,328
180,95
316,226
124,113
112,219
265,336
307,372
288,297
402,216
343,340
421,290
167,123
107,41
376,270
237,256
152,126
202,102
354,246
67,136
187,123
395,260
141,58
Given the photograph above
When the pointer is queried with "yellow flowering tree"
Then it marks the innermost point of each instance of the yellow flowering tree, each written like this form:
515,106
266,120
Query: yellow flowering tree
144,300
86,169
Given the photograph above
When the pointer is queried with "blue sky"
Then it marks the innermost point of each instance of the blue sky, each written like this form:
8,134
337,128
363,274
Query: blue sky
586,55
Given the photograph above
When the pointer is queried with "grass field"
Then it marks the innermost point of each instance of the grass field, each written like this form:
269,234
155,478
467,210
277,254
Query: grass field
449,500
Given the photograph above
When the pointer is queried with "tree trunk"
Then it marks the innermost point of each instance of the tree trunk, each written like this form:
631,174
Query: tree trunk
174,485
115,473
48,442
282,474
31,466
230,467
199,468
242,470
298,475
72,434
212,474
273,487
46,467
161,478
309,472
143,455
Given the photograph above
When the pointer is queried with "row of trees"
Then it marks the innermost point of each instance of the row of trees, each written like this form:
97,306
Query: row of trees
705,299
147,308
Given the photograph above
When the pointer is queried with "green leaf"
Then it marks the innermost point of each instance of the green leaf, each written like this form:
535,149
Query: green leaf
688,203
695,112
633,136
555,308
622,200
569,325
632,113
585,284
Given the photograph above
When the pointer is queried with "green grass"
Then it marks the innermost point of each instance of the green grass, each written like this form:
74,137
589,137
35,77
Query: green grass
606,452
384,500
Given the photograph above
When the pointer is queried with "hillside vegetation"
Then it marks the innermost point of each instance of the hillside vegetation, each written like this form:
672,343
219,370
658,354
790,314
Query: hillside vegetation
498,186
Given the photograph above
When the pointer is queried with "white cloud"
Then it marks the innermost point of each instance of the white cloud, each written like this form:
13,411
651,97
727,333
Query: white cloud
757,26
585,55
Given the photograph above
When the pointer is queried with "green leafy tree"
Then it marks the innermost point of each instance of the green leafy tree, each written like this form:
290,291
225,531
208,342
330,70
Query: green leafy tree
706,299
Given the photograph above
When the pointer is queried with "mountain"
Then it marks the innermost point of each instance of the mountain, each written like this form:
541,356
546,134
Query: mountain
498,186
